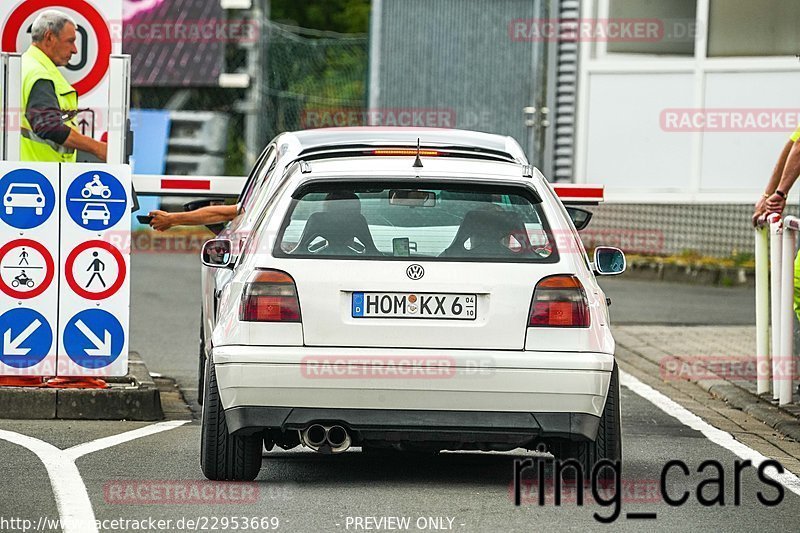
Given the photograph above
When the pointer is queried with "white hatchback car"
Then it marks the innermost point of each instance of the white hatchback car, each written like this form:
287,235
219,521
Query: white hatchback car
389,300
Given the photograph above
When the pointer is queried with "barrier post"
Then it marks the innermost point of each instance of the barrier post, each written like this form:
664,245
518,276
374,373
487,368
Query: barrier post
13,104
791,225
762,309
3,103
776,256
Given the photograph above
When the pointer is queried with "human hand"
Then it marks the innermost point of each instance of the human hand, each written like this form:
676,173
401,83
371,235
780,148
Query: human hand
775,204
161,221
760,209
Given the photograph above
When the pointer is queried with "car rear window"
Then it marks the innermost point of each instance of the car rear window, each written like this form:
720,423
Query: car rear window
435,221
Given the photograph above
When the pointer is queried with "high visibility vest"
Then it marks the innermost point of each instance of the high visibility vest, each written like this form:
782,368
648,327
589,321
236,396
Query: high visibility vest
37,66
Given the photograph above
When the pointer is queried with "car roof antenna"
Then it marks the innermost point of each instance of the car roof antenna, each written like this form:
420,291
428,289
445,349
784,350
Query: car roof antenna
417,161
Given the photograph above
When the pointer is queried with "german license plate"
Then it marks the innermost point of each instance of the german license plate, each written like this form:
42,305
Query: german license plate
414,305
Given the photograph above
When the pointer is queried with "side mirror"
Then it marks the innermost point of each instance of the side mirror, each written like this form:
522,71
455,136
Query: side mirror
609,261
580,217
217,253
194,205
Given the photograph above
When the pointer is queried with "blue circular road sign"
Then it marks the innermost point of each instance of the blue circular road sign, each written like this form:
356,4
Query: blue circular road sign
28,198
27,338
96,200
93,338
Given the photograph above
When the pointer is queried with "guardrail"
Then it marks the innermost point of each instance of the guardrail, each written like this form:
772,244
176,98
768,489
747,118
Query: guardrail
775,250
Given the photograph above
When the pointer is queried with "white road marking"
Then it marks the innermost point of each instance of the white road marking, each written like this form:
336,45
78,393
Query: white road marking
72,499
715,435
107,442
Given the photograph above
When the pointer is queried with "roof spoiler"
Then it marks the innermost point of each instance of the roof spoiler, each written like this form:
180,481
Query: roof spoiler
580,194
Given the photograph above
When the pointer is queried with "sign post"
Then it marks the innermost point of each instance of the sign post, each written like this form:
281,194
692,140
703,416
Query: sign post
29,230
94,304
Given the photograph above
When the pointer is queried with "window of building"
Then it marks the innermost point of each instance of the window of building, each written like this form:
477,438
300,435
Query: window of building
675,21
747,28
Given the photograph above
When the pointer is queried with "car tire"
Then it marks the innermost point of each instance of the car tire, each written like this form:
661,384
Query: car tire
201,367
225,457
9,210
608,443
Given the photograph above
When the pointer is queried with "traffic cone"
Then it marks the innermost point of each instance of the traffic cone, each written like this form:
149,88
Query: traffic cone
21,381
76,383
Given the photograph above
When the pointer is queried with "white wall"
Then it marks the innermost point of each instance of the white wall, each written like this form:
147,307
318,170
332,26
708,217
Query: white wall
621,142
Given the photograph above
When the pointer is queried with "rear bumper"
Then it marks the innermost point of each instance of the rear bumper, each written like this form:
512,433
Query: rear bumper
389,426
380,390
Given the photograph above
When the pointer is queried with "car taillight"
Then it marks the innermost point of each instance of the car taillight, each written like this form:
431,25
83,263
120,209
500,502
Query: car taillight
270,296
559,302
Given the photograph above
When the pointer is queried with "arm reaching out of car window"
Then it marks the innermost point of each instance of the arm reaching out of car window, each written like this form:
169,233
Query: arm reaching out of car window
212,214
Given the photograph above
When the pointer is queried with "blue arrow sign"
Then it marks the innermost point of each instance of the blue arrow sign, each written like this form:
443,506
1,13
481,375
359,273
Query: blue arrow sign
93,338
28,198
27,338
96,200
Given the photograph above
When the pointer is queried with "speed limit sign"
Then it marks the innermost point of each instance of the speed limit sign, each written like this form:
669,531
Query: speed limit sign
87,71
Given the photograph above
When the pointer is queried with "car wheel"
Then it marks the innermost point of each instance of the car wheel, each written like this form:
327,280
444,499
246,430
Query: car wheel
9,210
225,457
201,369
39,211
608,444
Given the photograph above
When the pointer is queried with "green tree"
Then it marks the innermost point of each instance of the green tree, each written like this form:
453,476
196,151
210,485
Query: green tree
344,16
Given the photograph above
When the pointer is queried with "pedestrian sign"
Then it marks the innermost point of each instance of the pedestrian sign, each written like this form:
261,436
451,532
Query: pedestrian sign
93,339
27,338
28,198
96,200
95,270
26,269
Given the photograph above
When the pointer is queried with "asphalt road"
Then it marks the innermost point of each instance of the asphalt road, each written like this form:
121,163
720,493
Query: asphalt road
157,476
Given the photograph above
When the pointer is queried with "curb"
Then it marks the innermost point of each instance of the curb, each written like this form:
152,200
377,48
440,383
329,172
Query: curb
737,397
132,397
755,406
692,274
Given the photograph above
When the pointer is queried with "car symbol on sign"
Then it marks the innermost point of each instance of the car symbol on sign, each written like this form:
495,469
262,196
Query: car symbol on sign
95,212
23,195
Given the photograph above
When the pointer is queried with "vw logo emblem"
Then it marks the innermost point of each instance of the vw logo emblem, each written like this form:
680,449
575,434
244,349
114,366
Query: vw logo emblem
415,272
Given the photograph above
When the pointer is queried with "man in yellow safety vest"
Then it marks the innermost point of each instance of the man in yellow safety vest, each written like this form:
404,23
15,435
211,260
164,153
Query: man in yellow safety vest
50,103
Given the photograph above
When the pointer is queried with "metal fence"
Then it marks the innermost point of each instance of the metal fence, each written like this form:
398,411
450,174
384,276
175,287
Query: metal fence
297,73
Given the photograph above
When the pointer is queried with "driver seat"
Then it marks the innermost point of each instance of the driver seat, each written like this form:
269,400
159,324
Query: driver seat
346,233
488,231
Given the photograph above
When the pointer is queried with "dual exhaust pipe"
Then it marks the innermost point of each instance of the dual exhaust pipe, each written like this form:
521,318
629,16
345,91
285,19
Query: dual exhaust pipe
326,439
